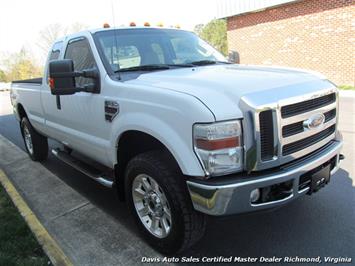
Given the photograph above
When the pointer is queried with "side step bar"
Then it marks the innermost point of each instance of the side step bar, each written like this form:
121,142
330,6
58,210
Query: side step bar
81,166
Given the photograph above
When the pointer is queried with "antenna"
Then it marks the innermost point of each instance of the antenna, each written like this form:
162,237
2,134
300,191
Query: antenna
115,36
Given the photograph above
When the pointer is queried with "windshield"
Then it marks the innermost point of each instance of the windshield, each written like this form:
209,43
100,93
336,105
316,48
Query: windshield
132,48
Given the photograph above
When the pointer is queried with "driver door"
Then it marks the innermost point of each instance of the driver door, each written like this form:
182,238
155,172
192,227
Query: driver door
82,115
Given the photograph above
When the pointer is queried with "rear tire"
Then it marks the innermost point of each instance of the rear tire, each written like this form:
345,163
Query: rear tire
186,225
36,144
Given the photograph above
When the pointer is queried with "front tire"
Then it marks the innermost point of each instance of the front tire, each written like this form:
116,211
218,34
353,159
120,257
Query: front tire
36,144
159,201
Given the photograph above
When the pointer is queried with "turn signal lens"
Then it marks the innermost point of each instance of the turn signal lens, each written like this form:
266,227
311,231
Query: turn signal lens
217,144
146,24
106,25
51,83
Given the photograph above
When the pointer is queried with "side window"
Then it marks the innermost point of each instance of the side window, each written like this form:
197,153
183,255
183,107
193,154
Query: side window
80,52
55,51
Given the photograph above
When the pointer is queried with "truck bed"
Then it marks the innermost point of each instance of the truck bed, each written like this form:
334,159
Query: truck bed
36,81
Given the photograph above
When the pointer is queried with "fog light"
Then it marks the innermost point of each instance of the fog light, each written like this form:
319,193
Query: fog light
255,195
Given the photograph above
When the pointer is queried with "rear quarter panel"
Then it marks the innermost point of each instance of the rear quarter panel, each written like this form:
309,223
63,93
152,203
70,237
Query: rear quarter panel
28,95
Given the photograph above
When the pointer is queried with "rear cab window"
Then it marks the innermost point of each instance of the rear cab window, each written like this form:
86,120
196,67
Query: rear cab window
55,52
54,55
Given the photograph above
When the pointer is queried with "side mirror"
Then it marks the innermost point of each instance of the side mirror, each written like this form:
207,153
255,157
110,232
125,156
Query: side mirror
233,57
62,78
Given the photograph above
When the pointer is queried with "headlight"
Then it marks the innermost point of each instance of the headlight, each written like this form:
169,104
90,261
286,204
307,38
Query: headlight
218,147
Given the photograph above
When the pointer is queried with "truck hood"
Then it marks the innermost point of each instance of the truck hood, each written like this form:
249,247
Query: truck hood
221,87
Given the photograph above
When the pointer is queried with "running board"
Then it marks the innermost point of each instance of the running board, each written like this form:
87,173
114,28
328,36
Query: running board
83,167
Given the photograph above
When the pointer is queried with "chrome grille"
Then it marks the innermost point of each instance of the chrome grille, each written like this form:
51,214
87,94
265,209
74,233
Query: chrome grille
306,142
266,135
306,106
298,127
280,134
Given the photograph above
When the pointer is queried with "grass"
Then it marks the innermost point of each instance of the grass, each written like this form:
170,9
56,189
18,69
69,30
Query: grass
18,245
346,87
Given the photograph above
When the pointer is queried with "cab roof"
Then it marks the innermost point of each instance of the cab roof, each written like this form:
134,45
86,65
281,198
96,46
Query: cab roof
93,31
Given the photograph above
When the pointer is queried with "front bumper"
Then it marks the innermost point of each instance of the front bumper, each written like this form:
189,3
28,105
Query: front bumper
231,195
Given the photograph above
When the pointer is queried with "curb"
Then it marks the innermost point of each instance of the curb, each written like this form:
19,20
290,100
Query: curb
49,245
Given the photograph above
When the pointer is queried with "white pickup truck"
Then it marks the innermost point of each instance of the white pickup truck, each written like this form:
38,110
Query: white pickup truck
179,131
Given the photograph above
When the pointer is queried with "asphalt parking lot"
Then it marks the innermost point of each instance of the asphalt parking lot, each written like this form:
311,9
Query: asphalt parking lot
319,225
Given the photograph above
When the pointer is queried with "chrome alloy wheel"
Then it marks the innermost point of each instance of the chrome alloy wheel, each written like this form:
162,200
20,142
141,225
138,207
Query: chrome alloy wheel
151,205
28,139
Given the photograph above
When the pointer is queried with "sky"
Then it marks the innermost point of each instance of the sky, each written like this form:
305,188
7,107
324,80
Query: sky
21,21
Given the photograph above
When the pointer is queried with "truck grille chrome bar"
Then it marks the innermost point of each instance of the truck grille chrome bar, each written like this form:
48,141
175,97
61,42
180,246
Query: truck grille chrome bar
302,107
307,142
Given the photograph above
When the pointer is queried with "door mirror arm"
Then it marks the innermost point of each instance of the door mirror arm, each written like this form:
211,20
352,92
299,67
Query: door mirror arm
87,88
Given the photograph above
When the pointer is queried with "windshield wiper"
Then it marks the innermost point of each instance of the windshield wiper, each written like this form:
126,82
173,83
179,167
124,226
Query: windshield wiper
153,67
181,65
207,62
143,68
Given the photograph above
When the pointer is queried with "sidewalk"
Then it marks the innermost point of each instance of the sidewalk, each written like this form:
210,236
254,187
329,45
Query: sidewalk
87,235
347,93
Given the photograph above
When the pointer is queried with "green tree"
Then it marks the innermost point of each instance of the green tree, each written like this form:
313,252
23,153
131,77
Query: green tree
198,29
215,33
21,65
2,76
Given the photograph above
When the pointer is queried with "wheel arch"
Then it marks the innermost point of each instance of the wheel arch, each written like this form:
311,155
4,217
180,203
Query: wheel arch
131,143
21,112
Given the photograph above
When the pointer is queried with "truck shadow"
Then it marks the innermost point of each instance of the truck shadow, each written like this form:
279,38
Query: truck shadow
320,225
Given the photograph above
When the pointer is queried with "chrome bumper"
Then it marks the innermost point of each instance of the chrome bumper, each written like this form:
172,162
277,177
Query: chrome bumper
233,196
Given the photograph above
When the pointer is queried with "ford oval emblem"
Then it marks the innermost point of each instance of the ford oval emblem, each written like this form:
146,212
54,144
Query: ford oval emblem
314,121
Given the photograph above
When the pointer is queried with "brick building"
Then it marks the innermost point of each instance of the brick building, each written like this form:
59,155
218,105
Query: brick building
311,34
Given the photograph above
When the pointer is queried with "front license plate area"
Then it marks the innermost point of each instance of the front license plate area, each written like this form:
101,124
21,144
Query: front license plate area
319,179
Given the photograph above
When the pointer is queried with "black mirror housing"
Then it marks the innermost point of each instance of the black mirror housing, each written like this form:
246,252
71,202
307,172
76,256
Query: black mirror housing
234,57
62,77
